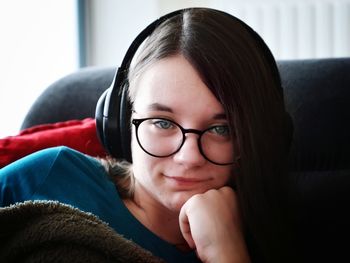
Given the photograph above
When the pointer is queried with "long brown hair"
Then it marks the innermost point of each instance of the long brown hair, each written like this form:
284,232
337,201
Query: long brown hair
237,66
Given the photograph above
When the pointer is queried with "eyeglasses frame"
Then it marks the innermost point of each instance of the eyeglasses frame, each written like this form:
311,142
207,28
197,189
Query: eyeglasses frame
136,122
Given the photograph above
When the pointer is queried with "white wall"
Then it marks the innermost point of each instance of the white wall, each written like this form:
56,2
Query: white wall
38,45
113,25
291,28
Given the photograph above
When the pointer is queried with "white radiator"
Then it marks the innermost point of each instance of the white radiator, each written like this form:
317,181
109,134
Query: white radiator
297,29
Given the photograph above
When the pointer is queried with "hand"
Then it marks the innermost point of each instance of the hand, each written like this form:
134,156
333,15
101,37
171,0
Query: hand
211,224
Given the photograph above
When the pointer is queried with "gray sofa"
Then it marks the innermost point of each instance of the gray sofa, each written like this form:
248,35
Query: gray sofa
317,95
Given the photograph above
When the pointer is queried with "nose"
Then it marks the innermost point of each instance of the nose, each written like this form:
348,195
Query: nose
189,154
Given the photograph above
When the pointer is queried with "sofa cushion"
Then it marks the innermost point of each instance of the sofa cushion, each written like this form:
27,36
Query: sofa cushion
77,134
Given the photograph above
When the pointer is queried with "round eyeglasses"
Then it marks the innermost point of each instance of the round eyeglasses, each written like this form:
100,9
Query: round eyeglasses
160,137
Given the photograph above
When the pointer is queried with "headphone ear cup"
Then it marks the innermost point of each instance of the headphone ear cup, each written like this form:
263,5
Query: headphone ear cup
107,119
113,112
100,118
125,124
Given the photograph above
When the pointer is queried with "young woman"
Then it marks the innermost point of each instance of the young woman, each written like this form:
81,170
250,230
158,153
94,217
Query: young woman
210,139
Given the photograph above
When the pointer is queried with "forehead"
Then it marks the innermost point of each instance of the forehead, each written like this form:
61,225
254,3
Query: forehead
173,82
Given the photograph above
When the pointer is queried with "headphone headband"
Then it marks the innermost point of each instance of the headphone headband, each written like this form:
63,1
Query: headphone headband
142,36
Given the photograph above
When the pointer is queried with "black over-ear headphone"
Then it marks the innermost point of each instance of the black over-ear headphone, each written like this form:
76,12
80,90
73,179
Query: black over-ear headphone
113,110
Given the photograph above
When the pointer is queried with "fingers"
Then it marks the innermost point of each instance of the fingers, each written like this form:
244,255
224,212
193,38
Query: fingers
210,223
227,192
185,227
205,210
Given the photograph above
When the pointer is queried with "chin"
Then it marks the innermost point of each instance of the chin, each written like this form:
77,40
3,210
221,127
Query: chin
178,199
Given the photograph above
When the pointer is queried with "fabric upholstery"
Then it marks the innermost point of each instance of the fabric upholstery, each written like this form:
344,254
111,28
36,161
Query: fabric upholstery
77,134
73,97
317,94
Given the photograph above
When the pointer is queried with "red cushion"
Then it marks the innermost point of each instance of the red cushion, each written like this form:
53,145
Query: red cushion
77,134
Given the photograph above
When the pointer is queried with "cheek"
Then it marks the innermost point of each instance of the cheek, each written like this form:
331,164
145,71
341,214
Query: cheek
138,158
135,150
225,176
143,164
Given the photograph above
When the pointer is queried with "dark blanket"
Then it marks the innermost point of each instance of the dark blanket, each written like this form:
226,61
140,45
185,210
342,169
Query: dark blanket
47,231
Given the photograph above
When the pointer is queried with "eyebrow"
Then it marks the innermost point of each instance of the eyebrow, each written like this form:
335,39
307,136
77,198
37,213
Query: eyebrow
162,107
159,107
220,116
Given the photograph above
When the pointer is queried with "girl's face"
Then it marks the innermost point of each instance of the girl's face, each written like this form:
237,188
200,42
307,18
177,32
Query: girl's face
172,89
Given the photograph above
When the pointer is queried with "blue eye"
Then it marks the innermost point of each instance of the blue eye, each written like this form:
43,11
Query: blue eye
163,124
222,130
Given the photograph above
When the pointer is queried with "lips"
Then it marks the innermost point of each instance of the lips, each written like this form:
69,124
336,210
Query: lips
186,180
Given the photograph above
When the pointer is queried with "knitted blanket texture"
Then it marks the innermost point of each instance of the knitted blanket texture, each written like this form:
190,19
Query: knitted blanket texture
49,231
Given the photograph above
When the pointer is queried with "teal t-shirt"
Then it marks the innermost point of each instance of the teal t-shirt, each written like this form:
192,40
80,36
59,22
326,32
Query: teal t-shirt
65,175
